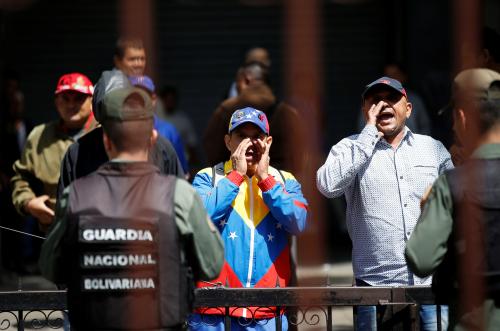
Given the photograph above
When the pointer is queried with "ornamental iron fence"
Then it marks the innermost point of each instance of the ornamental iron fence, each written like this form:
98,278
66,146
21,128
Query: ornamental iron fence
304,306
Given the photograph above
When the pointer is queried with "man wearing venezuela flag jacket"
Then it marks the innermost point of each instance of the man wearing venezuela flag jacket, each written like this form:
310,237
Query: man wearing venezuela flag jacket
256,208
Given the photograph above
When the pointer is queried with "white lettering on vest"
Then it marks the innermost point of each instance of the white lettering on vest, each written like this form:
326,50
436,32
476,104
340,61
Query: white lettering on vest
105,260
88,235
118,283
132,234
117,235
122,260
121,234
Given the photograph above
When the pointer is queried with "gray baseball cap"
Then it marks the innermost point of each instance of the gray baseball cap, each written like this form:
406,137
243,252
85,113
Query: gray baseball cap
113,108
473,84
109,80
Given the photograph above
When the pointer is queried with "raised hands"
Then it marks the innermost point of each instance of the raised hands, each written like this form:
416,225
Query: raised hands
373,113
263,146
238,158
257,158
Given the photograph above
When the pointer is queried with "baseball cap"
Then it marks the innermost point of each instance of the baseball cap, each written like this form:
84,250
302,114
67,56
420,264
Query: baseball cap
109,80
113,108
386,81
75,82
249,115
143,81
473,84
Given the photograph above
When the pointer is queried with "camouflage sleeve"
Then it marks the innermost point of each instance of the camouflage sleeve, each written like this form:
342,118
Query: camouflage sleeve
202,240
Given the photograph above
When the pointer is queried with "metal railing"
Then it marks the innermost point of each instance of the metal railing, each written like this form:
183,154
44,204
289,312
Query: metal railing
304,305
32,309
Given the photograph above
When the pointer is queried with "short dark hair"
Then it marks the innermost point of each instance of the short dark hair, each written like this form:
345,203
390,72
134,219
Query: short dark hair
129,136
168,89
400,65
123,43
491,42
266,62
489,109
257,71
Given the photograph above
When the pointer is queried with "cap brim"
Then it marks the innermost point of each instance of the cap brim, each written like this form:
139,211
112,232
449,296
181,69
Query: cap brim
72,90
244,122
371,86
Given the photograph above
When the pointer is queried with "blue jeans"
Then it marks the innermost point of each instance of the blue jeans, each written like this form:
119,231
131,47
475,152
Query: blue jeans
66,325
428,317
198,322
366,316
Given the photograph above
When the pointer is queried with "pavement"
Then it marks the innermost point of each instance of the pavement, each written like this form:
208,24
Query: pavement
35,320
12,281
333,274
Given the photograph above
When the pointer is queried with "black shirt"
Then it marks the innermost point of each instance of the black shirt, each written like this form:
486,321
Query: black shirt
87,154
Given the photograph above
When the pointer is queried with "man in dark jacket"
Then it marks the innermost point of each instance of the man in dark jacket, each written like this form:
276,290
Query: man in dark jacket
252,83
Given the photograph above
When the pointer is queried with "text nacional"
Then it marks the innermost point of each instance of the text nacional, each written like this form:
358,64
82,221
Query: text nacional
117,260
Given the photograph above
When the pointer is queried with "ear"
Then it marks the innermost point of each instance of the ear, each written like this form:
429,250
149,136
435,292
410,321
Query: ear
154,101
462,118
409,108
153,138
248,79
116,61
484,57
269,140
108,145
364,110
56,101
365,107
227,140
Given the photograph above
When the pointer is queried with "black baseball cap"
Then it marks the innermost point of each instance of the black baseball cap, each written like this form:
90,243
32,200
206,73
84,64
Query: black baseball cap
385,81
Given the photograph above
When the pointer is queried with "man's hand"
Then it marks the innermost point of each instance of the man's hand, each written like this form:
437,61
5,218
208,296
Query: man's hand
373,112
238,158
37,208
425,197
262,170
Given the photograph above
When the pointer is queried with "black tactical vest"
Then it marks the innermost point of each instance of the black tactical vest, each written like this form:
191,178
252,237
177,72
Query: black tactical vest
484,199
123,251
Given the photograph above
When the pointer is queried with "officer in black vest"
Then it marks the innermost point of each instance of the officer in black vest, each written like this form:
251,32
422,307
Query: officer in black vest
127,240
458,234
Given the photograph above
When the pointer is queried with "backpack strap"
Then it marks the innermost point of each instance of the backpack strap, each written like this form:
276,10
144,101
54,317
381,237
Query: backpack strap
277,174
217,173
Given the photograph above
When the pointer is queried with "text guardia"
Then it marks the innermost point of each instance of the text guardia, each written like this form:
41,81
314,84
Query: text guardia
116,235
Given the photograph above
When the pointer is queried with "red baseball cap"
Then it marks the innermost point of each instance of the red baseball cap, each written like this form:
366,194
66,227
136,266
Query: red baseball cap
75,82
